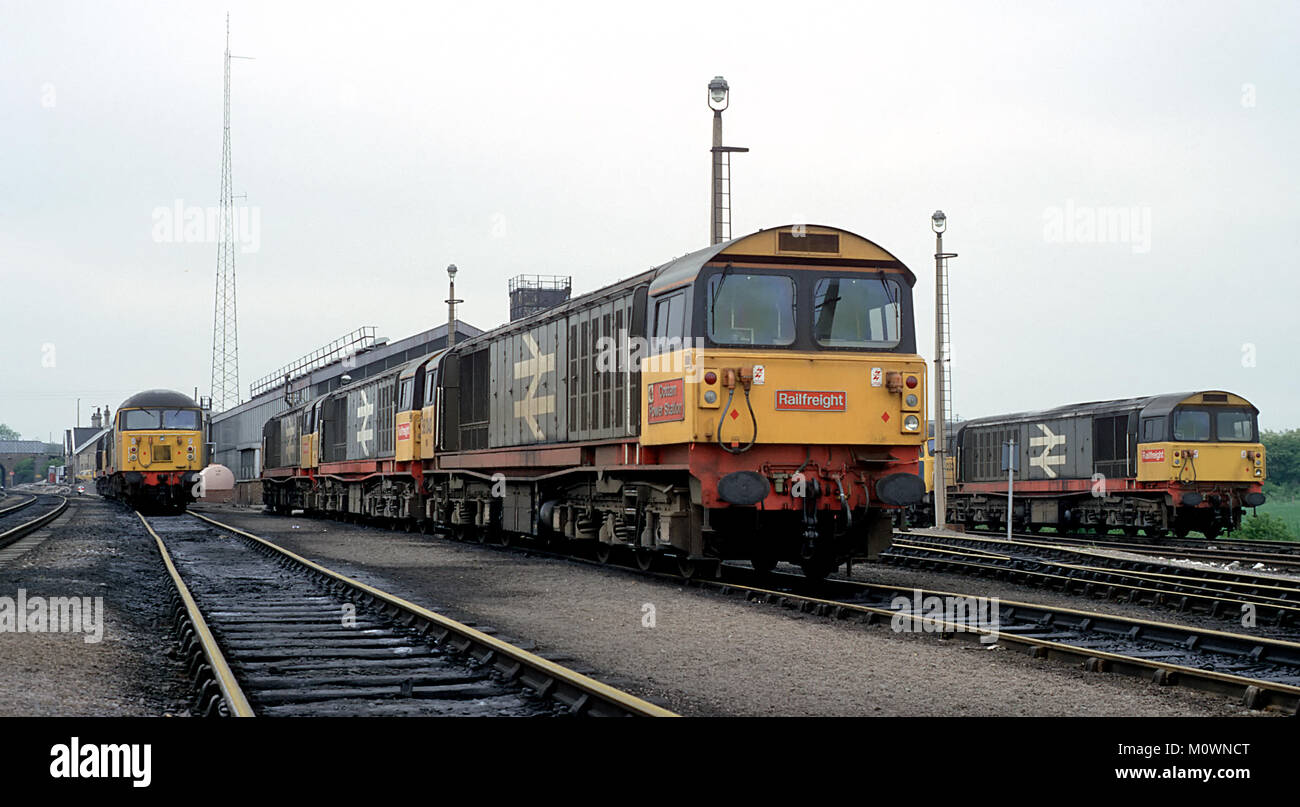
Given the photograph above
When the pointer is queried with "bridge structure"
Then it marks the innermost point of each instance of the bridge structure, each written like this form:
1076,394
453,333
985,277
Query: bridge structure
13,452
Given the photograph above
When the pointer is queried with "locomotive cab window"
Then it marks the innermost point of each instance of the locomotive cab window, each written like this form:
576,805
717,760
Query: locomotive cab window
856,312
1235,425
404,393
1153,430
751,309
430,386
1192,425
135,419
670,314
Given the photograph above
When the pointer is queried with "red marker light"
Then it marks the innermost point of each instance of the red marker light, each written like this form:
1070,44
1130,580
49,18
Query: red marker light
710,377
911,382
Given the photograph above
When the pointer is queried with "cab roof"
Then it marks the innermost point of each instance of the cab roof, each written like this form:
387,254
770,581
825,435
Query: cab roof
807,244
167,398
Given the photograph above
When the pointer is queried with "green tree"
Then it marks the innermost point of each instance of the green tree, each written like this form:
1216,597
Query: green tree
1282,454
24,471
7,433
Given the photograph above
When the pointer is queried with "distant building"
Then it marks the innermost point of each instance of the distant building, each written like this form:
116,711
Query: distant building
533,294
80,452
237,433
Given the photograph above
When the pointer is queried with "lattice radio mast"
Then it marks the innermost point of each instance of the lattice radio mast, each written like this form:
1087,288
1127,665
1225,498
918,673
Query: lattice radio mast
225,328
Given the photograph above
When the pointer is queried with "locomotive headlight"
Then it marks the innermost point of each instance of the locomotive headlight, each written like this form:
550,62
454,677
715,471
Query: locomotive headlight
911,400
911,423
710,396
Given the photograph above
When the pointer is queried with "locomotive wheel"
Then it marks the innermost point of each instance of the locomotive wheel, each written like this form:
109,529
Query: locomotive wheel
763,564
506,538
1212,532
1181,532
816,569
644,559
603,552
696,569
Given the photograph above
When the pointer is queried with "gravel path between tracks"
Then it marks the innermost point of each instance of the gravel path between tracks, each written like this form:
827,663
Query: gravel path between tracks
711,654
95,549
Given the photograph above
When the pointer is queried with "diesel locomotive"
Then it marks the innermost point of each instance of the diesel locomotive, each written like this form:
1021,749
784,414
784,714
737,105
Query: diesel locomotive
152,457
1164,465
760,399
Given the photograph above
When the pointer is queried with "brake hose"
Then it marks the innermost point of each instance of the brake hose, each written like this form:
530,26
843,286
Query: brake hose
730,397
844,505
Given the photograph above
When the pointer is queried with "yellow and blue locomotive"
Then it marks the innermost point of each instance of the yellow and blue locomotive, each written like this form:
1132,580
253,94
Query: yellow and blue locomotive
152,457
761,398
1162,464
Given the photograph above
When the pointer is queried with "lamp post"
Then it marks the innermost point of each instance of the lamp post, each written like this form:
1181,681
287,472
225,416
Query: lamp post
719,98
451,306
939,223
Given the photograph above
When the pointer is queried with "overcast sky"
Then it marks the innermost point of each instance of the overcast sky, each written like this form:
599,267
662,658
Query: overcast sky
377,146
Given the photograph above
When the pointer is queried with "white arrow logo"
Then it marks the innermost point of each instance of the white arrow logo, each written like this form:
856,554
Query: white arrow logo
365,433
533,368
1048,441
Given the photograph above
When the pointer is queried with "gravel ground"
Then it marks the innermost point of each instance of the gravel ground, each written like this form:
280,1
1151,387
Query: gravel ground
710,654
95,549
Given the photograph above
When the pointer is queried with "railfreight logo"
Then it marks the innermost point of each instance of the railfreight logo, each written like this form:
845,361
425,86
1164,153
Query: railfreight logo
811,401
535,367
1153,455
1046,461
667,401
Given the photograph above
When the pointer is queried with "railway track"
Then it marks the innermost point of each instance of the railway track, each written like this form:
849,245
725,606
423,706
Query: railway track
266,632
1218,592
14,507
1263,672
1278,554
19,522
